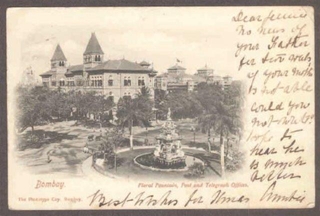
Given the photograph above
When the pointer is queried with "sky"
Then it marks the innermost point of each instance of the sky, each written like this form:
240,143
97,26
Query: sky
196,36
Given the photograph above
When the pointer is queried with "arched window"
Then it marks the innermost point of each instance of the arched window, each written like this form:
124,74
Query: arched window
139,81
100,83
125,81
110,80
129,81
61,82
96,58
92,80
96,81
142,81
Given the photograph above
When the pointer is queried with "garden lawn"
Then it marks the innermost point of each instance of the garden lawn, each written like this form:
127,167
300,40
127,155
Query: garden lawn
65,140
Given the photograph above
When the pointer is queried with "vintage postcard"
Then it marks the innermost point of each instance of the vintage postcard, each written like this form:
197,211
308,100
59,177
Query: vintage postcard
161,108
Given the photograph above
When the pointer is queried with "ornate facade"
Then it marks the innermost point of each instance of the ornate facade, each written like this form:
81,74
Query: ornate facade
112,78
177,80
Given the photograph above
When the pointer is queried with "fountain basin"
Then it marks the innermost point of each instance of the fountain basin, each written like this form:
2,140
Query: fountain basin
150,162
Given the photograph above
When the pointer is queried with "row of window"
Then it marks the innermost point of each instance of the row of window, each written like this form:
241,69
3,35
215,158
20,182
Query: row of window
126,81
95,83
63,83
96,58
98,82
60,63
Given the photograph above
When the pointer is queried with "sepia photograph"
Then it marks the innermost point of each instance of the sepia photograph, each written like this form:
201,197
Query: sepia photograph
164,107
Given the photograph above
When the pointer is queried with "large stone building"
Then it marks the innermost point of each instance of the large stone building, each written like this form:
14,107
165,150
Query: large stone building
112,78
175,79
209,76
205,72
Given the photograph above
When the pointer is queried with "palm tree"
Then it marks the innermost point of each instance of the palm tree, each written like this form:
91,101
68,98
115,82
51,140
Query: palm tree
221,113
135,111
144,92
209,97
223,125
206,123
161,103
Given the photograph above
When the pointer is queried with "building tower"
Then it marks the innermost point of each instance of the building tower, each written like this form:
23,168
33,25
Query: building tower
205,72
145,64
58,59
93,55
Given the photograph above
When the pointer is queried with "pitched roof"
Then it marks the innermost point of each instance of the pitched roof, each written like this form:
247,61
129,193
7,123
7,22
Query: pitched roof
48,73
120,65
93,46
68,73
144,63
76,68
176,67
58,54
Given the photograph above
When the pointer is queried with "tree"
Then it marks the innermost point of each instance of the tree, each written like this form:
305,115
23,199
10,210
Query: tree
221,112
32,107
111,141
100,105
144,93
161,103
136,111
235,98
82,101
59,104
209,97
182,104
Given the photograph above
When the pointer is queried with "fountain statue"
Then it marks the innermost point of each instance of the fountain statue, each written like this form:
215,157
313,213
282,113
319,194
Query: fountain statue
168,152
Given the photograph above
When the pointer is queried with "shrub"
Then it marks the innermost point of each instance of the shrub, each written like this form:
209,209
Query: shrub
196,170
236,162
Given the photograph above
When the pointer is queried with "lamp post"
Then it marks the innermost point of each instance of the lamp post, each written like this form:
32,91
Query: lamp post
194,134
146,142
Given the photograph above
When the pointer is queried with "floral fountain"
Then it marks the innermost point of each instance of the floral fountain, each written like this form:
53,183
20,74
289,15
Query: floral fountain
168,154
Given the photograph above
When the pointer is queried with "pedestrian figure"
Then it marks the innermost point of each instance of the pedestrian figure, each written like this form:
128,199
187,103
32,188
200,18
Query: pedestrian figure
48,157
